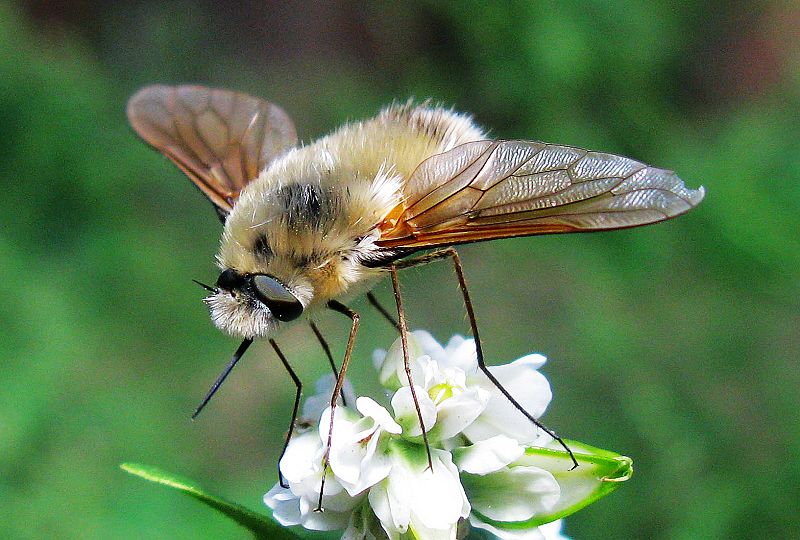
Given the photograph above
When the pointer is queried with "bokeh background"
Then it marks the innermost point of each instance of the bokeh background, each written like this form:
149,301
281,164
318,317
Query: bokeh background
675,344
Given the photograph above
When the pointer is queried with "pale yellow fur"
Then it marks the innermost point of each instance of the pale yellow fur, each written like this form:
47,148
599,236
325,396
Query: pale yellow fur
362,167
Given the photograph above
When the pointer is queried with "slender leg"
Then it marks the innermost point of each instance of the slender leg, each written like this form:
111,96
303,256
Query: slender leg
451,252
401,317
355,317
382,310
327,350
299,388
222,376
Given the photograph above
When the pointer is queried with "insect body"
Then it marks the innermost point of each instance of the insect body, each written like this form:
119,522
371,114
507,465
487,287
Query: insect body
313,219
308,226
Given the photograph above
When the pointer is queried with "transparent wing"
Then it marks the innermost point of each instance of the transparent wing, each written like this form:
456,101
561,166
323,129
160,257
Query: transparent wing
220,139
496,189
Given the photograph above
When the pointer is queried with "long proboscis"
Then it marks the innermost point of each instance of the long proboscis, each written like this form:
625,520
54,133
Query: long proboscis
222,376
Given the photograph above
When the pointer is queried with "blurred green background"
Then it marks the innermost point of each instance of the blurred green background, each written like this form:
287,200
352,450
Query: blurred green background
675,344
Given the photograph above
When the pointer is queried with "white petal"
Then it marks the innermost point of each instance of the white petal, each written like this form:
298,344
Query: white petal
399,494
532,361
392,373
363,525
428,344
489,455
420,530
308,487
346,451
366,468
406,413
290,509
552,530
512,494
345,457
413,496
303,457
461,353
323,390
458,411
354,457
437,375
285,505
343,415
375,466
369,407
455,342
378,356
455,376
439,499
432,375
393,518
532,533
529,387
329,520
458,353
337,501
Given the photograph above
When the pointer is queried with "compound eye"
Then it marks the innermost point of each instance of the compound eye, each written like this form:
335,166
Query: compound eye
230,280
283,304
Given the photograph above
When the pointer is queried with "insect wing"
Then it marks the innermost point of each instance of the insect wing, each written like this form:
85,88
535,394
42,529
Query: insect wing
221,139
498,189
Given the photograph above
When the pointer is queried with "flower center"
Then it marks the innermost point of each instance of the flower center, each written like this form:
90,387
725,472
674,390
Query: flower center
440,392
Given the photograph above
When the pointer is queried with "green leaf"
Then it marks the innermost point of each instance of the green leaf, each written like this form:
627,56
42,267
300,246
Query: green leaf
599,472
261,526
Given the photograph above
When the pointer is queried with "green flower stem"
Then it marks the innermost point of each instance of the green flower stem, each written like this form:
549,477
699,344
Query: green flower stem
262,526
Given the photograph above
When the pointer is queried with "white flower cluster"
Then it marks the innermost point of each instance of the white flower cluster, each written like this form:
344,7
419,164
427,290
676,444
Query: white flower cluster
378,484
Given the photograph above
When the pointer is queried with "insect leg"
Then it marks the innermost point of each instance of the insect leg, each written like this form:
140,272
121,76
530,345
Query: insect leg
401,317
324,343
382,310
222,376
355,317
299,388
424,259
453,254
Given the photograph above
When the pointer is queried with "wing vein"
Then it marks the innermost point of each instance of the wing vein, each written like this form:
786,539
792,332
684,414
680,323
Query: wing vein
564,189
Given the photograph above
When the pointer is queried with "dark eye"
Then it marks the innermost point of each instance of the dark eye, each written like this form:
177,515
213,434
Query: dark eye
230,280
283,304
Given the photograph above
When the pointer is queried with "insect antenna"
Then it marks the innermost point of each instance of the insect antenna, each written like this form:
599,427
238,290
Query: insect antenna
222,376
209,288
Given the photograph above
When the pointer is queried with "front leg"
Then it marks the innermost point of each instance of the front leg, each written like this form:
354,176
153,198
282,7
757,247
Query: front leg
298,391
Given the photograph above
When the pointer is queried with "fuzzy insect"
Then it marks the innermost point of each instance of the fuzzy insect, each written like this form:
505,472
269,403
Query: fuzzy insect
308,227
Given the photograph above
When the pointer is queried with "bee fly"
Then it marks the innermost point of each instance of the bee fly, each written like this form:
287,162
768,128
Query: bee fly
308,226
